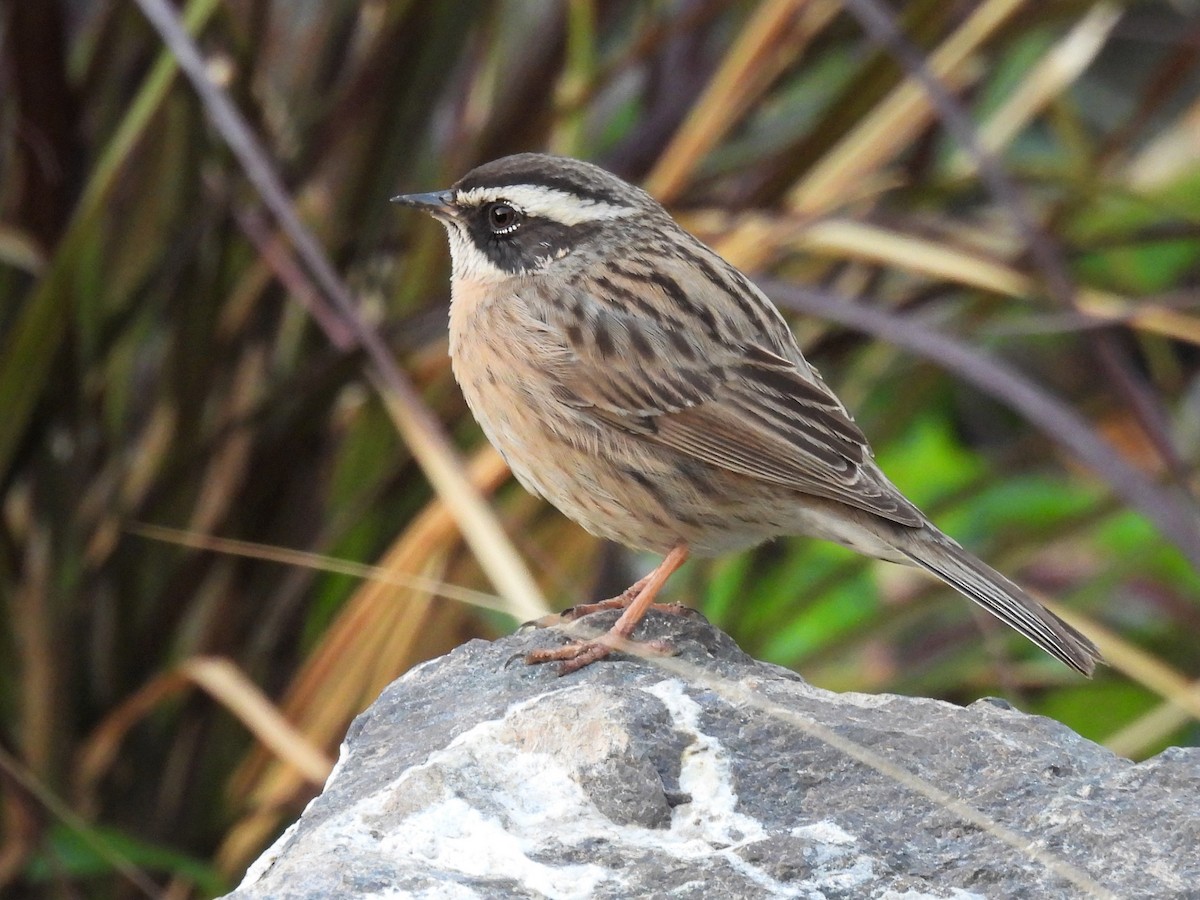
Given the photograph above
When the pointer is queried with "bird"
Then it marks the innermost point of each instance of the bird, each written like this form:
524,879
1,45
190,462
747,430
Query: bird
649,390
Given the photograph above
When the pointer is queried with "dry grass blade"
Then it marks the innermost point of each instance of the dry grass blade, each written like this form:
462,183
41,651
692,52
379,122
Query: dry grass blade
419,427
771,41
1152,728
894,123
35,650
848,238
1142,667
20,251
1055,72
1145,315
230,687
1170,155
148,452
382,574
227,467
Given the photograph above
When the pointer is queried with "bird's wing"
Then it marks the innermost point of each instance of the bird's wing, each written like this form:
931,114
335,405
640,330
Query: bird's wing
731,403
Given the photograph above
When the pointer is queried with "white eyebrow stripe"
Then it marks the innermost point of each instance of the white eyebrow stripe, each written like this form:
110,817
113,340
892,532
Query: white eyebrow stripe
546,202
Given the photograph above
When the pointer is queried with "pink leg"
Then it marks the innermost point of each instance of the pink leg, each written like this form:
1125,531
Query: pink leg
620,601
578,654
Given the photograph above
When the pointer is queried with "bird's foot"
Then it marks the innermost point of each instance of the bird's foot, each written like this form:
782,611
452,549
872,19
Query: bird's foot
621,601
635,601
579,654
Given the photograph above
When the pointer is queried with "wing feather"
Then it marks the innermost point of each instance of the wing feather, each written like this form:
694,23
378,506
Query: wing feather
746,402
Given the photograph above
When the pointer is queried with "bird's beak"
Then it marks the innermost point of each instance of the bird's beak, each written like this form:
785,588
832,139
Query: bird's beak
437,203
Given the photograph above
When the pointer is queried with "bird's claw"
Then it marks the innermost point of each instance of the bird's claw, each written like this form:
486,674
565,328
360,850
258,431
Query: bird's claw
579,654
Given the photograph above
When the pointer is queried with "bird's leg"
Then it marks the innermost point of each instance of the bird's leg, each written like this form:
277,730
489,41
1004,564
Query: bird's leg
578,654
621,601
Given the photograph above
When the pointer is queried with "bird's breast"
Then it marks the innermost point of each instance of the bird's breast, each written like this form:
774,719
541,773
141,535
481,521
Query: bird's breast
498,352
612,483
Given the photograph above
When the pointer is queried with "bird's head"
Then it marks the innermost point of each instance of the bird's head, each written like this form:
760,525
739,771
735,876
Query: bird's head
526,214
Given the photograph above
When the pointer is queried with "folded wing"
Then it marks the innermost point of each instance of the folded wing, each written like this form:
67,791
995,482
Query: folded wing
736,405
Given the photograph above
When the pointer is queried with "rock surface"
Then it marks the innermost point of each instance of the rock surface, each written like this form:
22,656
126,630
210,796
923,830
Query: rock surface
475,776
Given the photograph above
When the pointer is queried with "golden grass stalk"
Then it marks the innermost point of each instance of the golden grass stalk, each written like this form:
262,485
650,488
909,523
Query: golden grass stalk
894,122
771,41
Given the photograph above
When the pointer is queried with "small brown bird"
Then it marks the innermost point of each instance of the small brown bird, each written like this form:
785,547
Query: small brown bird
645,387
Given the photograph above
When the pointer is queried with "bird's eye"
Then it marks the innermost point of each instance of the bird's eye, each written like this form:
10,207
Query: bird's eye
502,217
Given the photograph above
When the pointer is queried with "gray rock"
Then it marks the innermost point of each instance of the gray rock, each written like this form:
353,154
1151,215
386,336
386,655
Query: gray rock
475,776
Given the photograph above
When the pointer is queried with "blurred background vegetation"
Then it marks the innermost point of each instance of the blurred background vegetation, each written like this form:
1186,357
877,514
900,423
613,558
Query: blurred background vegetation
170,359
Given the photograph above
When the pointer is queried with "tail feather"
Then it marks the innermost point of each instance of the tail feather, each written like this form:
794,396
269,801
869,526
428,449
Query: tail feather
1003,599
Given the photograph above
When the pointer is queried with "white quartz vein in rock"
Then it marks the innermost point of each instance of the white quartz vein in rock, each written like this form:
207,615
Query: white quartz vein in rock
501,797
707,776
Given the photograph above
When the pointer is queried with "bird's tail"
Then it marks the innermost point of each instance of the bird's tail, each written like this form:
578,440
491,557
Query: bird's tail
975,579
